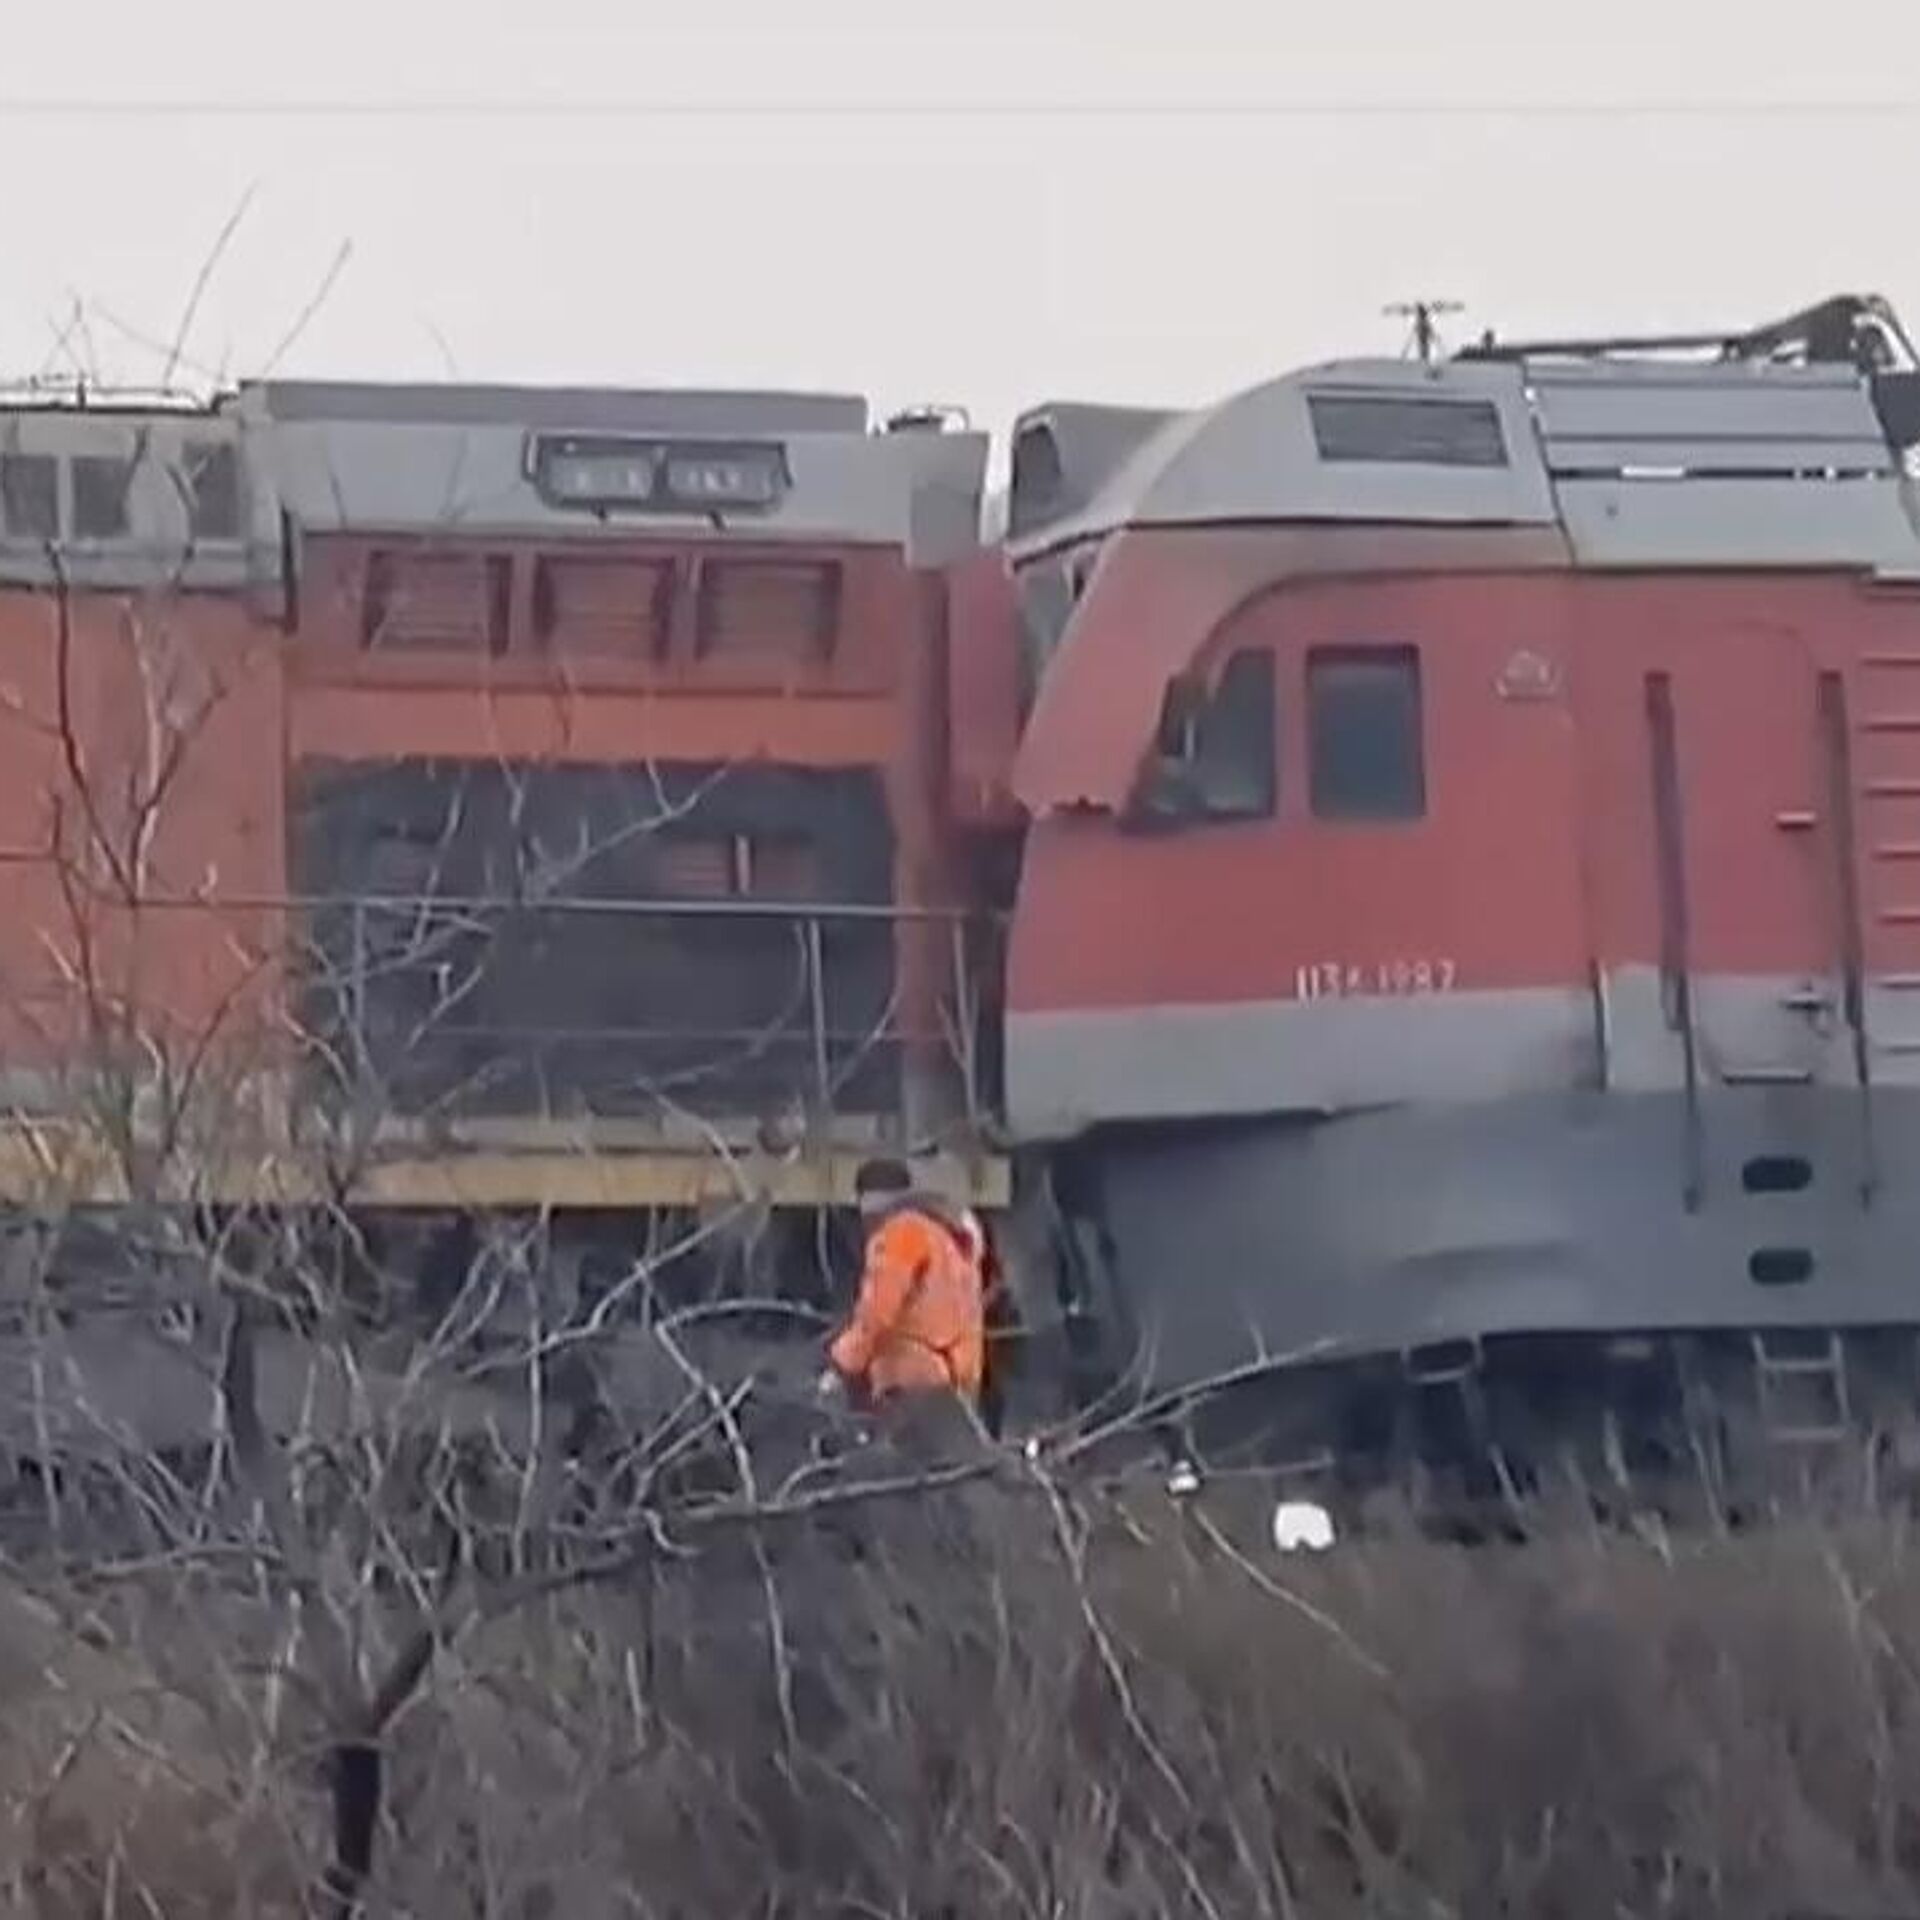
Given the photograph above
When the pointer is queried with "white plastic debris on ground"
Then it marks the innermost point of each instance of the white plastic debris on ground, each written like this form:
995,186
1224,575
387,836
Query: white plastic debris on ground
1302,1526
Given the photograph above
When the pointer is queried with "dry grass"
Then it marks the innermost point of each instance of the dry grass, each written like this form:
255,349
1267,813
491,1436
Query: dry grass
1586,1727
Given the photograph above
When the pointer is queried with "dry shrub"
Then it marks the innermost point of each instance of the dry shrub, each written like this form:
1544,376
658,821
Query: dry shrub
119,1792
1585,1726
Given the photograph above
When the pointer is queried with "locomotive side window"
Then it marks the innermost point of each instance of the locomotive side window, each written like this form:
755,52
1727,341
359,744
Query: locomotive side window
1439,433
30,495
1037,476
1364,734
1218,751
100,487
211,473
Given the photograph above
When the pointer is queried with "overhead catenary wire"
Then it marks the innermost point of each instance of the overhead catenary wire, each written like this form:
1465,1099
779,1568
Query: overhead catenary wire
661,107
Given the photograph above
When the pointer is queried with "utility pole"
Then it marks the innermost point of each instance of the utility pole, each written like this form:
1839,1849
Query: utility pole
1425,336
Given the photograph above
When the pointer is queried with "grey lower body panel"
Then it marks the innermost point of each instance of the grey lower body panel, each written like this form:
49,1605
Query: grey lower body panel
1071,1069
1387,1230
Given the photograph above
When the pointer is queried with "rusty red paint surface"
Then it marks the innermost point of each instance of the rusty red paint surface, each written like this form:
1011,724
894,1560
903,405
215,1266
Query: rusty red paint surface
695,684
140,761
1535,864
215,688
983,676
604,725
1154,600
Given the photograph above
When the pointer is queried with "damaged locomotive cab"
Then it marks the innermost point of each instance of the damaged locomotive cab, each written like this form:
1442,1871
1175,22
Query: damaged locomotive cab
1215,751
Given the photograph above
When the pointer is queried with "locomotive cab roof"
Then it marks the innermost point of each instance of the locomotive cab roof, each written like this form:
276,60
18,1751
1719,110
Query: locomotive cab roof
479,461
1521,434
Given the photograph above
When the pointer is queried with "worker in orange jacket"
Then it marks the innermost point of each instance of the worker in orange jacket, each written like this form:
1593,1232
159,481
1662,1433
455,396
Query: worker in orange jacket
918,1321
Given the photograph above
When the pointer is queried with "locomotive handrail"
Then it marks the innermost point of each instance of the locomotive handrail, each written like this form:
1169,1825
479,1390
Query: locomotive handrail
1830,329
1836,743
873,1029
873,912
885,1025
1676,956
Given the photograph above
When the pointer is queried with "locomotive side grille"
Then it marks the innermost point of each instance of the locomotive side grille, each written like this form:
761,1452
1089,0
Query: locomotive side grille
692,867
735,866
516,939
784,870
768,610
595,605
428,601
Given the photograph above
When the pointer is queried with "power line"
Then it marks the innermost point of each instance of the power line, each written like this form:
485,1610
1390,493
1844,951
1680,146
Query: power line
78,107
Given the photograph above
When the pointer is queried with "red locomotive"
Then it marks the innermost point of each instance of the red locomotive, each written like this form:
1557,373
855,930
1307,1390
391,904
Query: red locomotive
1467,930
521,799
1400,890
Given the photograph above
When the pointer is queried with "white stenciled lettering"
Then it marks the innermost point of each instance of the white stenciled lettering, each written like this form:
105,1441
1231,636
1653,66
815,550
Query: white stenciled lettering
1404,976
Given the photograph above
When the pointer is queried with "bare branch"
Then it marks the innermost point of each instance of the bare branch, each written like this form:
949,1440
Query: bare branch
202,280
305,317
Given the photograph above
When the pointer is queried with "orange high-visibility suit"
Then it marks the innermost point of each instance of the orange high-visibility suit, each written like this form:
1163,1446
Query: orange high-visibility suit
918,1321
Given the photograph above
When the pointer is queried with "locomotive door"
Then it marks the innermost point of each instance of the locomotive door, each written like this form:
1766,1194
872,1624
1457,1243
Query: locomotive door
1430,860
1751,968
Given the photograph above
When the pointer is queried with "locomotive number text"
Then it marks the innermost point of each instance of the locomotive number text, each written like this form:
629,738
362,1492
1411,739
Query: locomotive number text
1340,979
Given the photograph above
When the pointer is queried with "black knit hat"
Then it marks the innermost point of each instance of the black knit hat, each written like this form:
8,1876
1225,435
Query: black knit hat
881,1177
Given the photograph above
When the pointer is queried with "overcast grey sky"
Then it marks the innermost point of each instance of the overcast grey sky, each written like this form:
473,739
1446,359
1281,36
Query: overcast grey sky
989,202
